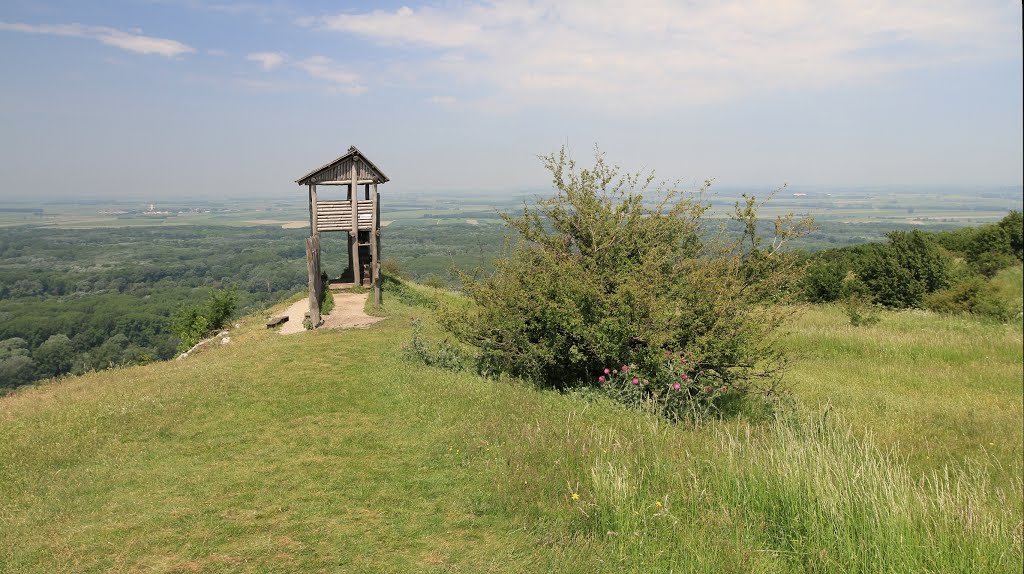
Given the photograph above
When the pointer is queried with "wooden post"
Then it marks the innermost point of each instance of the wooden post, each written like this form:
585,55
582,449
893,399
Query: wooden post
354,235
313,215
351,264
313,267
312,228
375,248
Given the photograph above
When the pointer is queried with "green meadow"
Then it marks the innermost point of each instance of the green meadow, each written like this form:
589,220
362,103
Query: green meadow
327,451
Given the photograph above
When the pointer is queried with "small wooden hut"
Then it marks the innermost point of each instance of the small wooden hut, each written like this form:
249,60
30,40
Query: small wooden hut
358,215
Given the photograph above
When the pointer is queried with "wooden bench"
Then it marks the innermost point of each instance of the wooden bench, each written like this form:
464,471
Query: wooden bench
275,321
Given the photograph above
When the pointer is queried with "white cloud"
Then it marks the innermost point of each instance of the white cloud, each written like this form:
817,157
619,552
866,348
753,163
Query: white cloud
131,41
443,100
269,60
320,68
663,53
428,27
340,79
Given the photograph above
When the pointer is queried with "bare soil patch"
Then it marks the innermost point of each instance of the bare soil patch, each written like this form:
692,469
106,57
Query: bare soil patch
347,314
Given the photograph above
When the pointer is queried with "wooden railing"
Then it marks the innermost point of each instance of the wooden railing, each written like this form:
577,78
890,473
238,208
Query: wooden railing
337,215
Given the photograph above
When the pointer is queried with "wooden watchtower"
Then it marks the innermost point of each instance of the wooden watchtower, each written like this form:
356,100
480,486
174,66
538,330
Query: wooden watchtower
358,215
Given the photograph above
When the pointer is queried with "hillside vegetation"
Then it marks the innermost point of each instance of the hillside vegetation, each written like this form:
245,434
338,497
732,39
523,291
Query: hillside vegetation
328,452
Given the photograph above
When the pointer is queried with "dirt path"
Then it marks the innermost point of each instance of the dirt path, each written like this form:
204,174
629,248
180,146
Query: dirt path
347,314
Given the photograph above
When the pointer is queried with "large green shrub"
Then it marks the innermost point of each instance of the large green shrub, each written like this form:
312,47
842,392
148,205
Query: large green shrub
192,324
602,275
972,295
823,281
902,272
948,271
1013,225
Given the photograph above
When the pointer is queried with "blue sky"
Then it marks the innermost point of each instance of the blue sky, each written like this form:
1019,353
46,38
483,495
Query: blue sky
166,98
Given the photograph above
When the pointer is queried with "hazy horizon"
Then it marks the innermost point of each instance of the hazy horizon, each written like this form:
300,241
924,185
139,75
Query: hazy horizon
239,100
388,191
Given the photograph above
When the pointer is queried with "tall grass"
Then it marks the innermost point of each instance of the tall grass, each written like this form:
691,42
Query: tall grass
802,493
326,451
834,502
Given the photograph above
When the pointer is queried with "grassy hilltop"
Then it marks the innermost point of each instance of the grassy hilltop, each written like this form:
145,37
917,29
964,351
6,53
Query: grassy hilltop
329,452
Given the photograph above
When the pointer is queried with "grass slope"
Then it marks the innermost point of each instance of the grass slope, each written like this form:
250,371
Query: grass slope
327,452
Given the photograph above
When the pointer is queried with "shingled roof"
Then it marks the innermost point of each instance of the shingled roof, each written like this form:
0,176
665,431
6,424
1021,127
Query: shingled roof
340,170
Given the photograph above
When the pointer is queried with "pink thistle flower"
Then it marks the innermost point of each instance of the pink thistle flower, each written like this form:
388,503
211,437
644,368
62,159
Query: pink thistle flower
676,386
624,368
601,378
707,389
686,377
725,389
684,359
668,353
607,371
636,381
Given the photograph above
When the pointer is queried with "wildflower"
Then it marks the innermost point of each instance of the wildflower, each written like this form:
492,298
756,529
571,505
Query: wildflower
707,389
683,359
635,381
686,377
676,386
607,371
668,353
575,496
657,503
624,368
725,389
601,378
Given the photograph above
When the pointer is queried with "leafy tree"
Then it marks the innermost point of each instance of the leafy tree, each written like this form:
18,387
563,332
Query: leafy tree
16,366
901,273
191,324
54,357
13,347
219,307
957,240
990,250
110,353
1013,224
601,276
823,281
16,370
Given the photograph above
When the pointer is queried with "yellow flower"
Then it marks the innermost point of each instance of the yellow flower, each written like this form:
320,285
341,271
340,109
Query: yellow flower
657,503
575,496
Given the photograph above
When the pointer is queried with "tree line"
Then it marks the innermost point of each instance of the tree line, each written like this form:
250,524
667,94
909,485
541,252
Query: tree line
947,271
73,301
